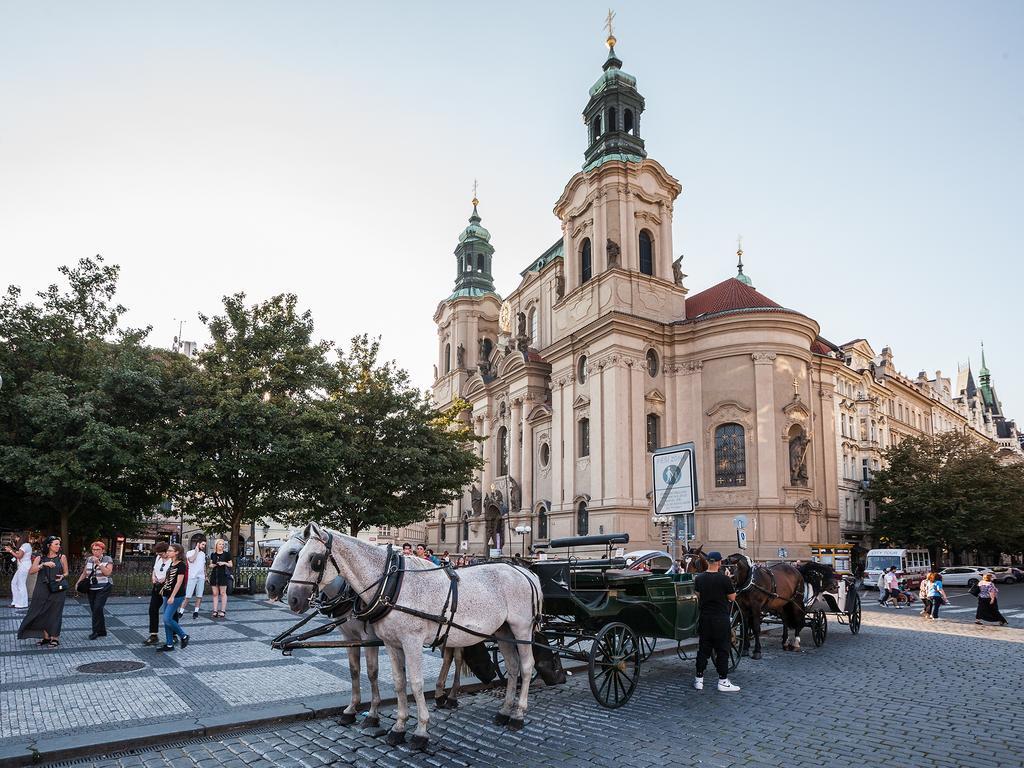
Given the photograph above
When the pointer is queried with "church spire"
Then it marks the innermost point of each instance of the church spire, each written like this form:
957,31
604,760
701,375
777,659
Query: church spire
739,263
612,114
473,255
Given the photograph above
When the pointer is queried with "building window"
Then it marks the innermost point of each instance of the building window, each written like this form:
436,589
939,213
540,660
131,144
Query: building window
730,456
652,362
447,358
646,253
586,261
465,529
542,522
503,451
442,530
584,437
533,327
613,122
480,263
627,121
652,432
582,519
581,370
595,128
545,454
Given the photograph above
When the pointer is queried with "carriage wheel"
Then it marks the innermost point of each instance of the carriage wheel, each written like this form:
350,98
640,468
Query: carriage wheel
819,628
855,615
499,665
737,631
614,665
647,645
680,652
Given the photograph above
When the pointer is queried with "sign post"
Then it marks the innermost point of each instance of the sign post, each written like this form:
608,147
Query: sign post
674,473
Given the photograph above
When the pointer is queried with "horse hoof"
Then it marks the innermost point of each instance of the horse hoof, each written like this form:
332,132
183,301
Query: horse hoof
419,743
451,704
395,738
347,718
756,655
371,722
441,702
514,724
500,719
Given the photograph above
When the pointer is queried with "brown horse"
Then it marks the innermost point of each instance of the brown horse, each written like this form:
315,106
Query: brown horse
778,590
694,560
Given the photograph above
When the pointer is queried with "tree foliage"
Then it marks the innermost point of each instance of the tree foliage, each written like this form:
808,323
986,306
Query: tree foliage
948,492
81,410
392,457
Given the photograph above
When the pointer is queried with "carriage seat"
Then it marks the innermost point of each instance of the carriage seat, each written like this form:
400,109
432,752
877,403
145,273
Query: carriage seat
619,577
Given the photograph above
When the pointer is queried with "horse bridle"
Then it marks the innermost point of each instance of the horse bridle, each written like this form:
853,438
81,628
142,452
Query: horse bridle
318,563
299,537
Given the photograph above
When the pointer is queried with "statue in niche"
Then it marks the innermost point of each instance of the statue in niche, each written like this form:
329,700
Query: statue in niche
559,286
522,337
677,270
798,445
484,363
515,495
460,356
475,501
613,253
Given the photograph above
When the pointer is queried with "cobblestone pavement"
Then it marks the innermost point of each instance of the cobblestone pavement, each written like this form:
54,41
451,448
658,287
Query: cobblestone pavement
900,693
228,665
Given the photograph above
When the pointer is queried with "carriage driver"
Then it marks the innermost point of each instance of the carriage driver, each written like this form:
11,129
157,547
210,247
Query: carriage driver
715,594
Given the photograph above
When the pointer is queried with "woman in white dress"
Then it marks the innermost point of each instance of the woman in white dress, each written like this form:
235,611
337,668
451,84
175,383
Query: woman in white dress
22,552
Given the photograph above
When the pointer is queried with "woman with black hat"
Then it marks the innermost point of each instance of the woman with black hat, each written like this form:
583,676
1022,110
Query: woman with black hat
46,609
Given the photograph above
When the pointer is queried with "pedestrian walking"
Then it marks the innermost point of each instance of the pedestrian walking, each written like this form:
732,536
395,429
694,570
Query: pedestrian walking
923,591
156,593
988,602
220,575
96,574
715,594
22,553
196,577
883,587
46,611
892,586
937,594
174,593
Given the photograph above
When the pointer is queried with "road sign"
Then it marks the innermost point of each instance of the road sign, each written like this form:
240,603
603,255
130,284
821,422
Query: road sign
740,521
741,538
675,479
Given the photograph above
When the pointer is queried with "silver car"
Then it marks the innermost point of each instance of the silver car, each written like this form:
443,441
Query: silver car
963,575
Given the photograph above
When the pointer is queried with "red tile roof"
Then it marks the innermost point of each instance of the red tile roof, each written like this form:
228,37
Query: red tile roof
729,295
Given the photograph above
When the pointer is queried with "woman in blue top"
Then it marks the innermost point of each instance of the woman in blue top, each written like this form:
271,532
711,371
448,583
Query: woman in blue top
937,594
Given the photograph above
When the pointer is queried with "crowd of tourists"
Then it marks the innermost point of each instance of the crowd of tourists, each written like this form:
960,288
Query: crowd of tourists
933,596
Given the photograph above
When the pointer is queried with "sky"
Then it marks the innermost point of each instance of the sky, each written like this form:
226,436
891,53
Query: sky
869,154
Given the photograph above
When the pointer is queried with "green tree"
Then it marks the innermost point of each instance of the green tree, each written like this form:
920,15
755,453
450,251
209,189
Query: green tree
948,492
392,456
81,410
249,437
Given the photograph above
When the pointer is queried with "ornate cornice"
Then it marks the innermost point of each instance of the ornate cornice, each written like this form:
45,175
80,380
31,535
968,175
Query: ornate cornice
763,358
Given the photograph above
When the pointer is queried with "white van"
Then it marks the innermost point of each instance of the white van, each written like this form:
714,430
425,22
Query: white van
912,565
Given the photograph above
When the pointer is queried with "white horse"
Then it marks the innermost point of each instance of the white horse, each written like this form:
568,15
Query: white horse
277,582
499,600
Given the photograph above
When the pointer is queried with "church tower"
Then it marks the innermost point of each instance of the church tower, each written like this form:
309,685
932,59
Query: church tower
473,259
616,213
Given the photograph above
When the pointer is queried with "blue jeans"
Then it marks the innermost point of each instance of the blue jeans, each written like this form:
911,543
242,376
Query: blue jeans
171,626
936,602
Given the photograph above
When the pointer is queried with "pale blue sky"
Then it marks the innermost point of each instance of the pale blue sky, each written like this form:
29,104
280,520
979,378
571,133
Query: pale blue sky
869,153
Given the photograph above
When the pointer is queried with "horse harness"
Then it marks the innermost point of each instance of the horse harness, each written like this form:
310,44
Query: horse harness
772,593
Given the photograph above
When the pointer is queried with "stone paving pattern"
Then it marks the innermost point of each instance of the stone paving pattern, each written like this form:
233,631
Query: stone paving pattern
902,693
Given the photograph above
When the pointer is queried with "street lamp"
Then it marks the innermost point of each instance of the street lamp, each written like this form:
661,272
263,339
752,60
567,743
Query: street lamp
522,530
663,523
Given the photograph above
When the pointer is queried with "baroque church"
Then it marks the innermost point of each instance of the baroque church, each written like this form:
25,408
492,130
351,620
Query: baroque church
601,355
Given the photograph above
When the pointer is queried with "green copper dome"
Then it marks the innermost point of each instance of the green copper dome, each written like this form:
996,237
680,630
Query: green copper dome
474,230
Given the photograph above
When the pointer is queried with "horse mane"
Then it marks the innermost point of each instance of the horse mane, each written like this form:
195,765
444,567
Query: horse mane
820,570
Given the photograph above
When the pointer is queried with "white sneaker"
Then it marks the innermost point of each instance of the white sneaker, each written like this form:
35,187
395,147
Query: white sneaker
698,683
726,686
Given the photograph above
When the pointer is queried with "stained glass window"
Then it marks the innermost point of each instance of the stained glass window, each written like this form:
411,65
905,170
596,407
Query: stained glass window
730,456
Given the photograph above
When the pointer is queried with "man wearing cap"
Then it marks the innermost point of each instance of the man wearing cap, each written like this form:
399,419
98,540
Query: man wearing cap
715,594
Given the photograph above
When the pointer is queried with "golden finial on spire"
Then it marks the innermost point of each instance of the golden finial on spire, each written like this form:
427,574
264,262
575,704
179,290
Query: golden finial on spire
739,246
475,201
608,25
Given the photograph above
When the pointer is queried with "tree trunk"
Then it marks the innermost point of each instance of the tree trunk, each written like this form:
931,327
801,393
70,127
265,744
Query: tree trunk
64,525
354,528
236,525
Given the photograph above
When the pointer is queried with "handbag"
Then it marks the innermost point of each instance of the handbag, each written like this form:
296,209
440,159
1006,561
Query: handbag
83,585
56,586
975,590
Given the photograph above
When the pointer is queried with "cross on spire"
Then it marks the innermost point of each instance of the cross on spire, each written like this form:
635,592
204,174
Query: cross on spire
475,201
608,26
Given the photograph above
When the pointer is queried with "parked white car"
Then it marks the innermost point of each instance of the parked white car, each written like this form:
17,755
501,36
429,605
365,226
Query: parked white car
1003,574
963,575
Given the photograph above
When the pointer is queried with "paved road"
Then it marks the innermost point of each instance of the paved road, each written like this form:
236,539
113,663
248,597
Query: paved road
963,605
900,693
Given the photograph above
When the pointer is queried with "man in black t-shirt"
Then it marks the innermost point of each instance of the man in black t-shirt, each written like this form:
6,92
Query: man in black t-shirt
715,594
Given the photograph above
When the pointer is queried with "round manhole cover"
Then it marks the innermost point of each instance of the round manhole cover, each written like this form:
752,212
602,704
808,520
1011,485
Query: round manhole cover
111,667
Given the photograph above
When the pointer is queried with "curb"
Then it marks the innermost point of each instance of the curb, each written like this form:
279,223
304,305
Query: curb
72,747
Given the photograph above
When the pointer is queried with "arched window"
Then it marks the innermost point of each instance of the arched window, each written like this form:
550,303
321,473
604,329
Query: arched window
480,263
652,432
646,253
613,124
469,264
627,121
465,528
584,435
582,519
652,362
585,261
595,129
542,522
447,358
503,451
533,327
730,456
442,530
581,370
